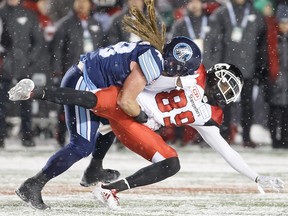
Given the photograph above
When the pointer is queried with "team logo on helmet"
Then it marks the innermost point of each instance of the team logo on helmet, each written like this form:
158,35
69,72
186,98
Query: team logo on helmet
182,52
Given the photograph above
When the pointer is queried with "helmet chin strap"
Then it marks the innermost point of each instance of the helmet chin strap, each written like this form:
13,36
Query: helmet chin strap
220,100
215,97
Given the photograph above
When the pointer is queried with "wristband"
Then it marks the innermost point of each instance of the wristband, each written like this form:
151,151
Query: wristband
141,118
38,93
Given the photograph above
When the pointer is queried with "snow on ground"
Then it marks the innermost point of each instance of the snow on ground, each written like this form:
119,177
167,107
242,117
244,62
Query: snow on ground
206,184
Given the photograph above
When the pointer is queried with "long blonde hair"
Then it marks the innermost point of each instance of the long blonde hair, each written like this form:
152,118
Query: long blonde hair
145,26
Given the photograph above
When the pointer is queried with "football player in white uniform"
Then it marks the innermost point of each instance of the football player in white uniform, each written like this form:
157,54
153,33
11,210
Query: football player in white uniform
196,101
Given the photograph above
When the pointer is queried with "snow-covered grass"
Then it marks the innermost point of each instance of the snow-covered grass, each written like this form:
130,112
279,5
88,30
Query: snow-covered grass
206,184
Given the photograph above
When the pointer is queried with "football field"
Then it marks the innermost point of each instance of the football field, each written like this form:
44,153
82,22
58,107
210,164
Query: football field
205,185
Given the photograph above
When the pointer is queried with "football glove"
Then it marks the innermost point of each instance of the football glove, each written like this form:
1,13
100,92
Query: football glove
269,182
141,118
104,129
152,124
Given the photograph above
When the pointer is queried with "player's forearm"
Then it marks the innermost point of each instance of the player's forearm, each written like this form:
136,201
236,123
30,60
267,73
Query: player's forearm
236,161
132,86
130,107
164,83
213,138
127,100
65,96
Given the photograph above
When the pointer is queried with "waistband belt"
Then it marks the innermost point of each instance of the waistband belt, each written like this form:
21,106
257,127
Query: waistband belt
80,65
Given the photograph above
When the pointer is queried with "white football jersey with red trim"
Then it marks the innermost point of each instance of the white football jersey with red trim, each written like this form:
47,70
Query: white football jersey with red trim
181,107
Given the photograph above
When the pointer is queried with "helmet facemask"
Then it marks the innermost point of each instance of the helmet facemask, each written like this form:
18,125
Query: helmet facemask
224,83
229,85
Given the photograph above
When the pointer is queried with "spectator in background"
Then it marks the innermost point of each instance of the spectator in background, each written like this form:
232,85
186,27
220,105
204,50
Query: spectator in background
3,88
41,8
59,9
208,5
222,2
278,80
280,2
3,109
194,24
166,11
104,11
22,40
238,36
2,3
78,32
211,5
43,65
266,7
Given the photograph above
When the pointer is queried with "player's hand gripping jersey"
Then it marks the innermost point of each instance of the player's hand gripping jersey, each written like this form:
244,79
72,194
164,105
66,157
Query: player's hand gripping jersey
181,107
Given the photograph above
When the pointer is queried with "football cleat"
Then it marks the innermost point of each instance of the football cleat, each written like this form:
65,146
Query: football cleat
91,178
30,192
107,197
22,90
95,173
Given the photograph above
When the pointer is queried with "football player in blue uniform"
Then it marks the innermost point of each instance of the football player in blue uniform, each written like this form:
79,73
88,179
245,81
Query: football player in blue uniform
130,65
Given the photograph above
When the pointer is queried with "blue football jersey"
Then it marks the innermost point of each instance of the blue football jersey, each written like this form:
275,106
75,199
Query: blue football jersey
111,65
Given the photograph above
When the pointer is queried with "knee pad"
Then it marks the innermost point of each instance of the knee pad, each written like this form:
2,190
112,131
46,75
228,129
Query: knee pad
173,164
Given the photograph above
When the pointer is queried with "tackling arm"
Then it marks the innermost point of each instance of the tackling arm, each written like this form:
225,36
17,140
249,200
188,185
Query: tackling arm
165,82
133,85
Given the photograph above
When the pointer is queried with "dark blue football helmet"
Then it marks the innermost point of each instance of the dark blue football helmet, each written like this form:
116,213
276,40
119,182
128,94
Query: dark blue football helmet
181,57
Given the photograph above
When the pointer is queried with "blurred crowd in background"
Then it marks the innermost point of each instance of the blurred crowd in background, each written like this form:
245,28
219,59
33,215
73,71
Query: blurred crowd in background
41,39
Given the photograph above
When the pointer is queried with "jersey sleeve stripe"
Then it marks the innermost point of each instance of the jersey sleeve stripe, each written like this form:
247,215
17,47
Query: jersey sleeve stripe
149,66
83,119
87,79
